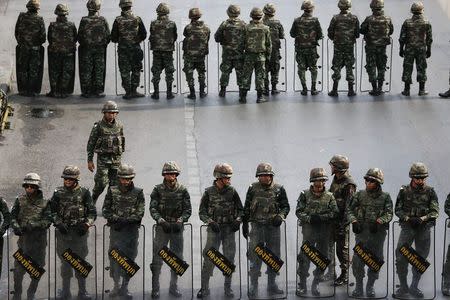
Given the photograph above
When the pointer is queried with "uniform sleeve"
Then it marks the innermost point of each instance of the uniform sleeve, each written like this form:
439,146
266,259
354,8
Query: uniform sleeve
300,210
91,143
284,203
42,33
187,207
447,206
46,216
115,32
332,211
331,29
429,39
203,209
140,208
81,30
356,29
399,212
386,216
352,208
107,206
433,212
268,43
91,212
238,205
348,192
281,31
75,34
175,32
14,214
247,204
6,215
16,28
54,203
403,34
218,36
391,27
364,27
142,31
293,31
155,198
49,34
107,31
319,30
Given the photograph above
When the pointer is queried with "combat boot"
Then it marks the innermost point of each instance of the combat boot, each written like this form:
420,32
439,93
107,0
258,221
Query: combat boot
351,90
275,91
136,94
342,279
374,91
446,286
227,288
370,291
155,94
173,288
405,91
253,288
358,291
204,290
314,90
242,96
192,93
445,94
304,90
403,290
334,91
380,86
169,93
64,293
301,288
124,293
414,287
315,287
259,97
128,94
422,91
115,290
223,91
202,90
155,285
272,286
82,293
265,92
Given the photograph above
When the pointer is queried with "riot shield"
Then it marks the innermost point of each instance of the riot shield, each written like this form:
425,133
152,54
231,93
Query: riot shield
369,254
266,244
184,88
29,264
313,260
29,60
364,85
282,75
171,268
330,52
319,83
123,261
233,86
445,283
414,255
4,265
142,88
220,262
162,87
75,262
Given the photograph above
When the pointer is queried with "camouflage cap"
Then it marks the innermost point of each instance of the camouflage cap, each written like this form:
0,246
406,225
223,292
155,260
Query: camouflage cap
256,13
61,10
375,174
126,171
71,172
418,170
94,5
195,13
110,106
125,3
171,167
264,169
307,5
317,174
377,4
32,178
345,4
36,4
223,170
233,11
163,9
417,7
340,162
269,9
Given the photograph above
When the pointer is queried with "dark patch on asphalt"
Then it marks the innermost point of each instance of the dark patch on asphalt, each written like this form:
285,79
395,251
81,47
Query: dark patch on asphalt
45,112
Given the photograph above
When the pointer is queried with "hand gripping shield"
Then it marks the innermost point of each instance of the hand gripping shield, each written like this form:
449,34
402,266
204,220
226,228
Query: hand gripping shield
176,65
330,52
184,88
320,72
142,88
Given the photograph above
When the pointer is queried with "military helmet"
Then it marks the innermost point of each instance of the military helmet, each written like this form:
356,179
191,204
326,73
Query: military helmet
256,13
417,7
33,4
233,11
163,9
345,4
71,172
377,4
340,162
61,10
126,171
125,3
171,167
195,13
418,170
375,174
317,174
307,5
110,106
264,169
93,5
32,178
269,9
223,170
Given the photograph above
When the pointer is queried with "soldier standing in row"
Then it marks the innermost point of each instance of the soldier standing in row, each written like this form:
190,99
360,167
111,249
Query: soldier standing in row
276,35
230,36
307,32
62,45
123,208
446,268
343,31
195,49
415,45
31,216
4,211
221,209
163,36
170,207
94,37
129,31
107,140
30,35
377,30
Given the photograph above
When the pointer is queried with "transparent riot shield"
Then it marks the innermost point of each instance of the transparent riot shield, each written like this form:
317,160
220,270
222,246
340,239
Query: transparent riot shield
220,262
184,88
28,264
162,86
369,254
142,88
414,260
330,52
320,72
266,245
313,261
282,74
4,265
364,85
171,268
123,261
233,86
75,262
445,283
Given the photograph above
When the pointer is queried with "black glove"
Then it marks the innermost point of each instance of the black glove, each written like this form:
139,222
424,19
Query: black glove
245,229
62,228
214,227
357,228
235,225
82,229
176,227
166,227
415,222
373,227
428,52
277,220
314,219
18,231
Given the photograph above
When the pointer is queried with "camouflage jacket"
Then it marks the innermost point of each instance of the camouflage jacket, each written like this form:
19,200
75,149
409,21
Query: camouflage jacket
30,30
196,39
221,206
72,206
413,202
6,216
447,206
307,31
262,203
106,139
343,190
163,34
31,212
257,38
276,31
344,29
128,29
368,206
124,203
230,35
94,31
416,32
170,204
322,205
62,36
377,30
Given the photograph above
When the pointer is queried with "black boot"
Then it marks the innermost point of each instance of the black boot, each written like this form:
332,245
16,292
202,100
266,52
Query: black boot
242,96
202,90
124,293
223,91
82,292
374,91
155,94
342,279
315,287
445,94
266,89
403,290
405,92
358,291
370,291
259,97
275,91
253,288
414,288
64,293
334,92
227,288
169,94
204,290
304,90
116,289
422,91
155,285
351,91
192,93
301,289
314,90
272,286
380,86
128,94
136,94
173,288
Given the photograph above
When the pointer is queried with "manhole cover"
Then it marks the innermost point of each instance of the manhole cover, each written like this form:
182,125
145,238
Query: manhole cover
42,112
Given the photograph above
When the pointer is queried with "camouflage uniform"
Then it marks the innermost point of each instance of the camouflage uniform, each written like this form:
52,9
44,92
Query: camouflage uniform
94,37
195,49
4,211
30,35
446,268
62,41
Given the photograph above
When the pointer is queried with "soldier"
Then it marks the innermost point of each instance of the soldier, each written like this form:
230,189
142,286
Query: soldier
123,208
447,93
266,206
73,213
4,211
30,35
273,63
230,36
343,187
163,35
129,31
417,208
446,268
107,140
316,208
195,48
62,45
307,32
94,37
343,31
31,217
221,209
258,49
369,212
377,30
415,45
170,207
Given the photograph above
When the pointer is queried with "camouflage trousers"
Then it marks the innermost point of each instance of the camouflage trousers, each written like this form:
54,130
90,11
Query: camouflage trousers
162,60
307,59
78,244
257,62
227,238
230,62
61,71
343,57
162,239
420,57
130,65
29,69
190,65
268,235
376,60
273,67
339,243
92,68
106,174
